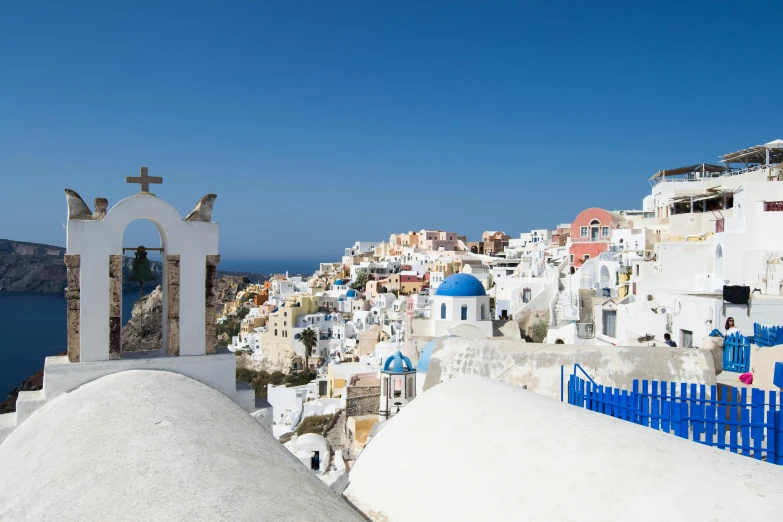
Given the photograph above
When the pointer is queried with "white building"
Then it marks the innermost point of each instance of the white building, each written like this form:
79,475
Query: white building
461,299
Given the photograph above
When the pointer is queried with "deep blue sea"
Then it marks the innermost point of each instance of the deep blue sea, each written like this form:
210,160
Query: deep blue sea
33,326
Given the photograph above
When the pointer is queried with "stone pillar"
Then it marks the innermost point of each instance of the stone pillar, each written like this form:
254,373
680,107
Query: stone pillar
115,306
172,292
211,304
72,263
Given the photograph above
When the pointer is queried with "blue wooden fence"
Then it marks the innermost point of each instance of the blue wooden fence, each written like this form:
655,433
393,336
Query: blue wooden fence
736,353
693,411
767,335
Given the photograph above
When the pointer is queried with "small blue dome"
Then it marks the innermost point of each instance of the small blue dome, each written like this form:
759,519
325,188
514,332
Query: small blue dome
398,363
341,299
461,285
351,294
339,282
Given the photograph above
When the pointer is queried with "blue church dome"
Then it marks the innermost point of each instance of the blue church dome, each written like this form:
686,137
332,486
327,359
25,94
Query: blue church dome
461,285
351,294
339,282
398,363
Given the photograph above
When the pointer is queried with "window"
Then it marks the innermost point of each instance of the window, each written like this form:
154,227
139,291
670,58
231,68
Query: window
587,256
285,314
526,295
572,259
583,231
443,311
322,388
464,315
285,323
637,269
483,313
610,323
275,332
686,339
605,231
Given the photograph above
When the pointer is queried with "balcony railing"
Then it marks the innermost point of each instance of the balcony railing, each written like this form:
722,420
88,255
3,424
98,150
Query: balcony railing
578,239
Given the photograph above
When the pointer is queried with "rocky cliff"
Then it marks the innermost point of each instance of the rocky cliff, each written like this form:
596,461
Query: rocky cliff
33,267
30,267
144,330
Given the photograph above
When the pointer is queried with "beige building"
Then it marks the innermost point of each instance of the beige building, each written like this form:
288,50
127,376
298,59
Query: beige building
249,324
277,341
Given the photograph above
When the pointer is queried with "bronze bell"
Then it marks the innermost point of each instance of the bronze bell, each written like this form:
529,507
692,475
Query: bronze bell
141,270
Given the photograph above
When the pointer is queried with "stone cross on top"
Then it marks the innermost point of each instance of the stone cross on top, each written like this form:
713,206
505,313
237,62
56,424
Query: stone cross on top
145,181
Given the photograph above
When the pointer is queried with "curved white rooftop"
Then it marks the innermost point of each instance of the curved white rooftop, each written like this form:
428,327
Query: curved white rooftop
476,449
149,445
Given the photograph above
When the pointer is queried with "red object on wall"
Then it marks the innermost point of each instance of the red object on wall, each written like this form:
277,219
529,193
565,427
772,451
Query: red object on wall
773,206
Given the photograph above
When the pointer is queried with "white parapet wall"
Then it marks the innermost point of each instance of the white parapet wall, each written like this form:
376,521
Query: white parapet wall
538,366
217,371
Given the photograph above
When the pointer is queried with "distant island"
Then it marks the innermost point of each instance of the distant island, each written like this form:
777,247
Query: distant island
33,267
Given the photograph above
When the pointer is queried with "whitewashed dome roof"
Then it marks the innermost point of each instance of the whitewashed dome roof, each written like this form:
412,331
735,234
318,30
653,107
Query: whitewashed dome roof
472,448
150,445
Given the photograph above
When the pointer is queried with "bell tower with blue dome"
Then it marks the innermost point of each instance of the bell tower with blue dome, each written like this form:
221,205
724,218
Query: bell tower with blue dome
461,299
398,385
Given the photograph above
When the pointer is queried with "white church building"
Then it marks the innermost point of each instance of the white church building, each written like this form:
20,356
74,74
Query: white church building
460,299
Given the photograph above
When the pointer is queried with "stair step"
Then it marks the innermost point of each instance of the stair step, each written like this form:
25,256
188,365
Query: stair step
245,396
27,403
7,425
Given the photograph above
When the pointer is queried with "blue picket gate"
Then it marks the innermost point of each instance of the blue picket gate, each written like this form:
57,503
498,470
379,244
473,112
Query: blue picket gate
767,335
723,417
736,353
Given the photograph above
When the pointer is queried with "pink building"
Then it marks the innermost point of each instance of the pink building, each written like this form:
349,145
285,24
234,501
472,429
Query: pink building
590,234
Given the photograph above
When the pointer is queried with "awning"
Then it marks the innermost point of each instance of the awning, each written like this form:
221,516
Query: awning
698,168
757,154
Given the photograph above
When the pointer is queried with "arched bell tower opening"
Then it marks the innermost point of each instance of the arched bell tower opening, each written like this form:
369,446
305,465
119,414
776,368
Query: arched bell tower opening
143,269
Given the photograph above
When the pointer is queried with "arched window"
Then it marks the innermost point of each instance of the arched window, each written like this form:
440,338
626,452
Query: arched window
443,311
483,313
464,312
595,230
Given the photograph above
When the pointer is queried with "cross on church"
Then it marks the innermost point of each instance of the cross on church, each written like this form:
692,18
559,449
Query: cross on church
144,180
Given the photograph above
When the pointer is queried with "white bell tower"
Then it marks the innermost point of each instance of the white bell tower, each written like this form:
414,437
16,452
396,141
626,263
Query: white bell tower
398,385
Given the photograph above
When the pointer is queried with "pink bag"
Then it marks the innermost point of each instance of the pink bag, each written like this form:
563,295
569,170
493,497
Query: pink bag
747,378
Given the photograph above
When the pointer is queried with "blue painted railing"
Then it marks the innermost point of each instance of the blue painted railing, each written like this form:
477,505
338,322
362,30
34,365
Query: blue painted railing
693,411
736,353
767,335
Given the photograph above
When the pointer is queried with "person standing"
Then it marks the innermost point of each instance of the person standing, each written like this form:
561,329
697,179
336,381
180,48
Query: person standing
730,328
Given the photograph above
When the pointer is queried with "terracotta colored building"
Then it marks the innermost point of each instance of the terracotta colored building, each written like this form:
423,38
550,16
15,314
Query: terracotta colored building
493,242
411,284
561,235
590,234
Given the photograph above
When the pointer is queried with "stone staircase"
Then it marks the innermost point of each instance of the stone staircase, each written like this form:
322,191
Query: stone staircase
562,301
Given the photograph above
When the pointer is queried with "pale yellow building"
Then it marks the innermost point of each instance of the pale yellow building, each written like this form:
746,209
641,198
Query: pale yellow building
277,341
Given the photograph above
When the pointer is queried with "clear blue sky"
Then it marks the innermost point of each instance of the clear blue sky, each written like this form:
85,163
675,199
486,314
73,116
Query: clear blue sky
321,123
